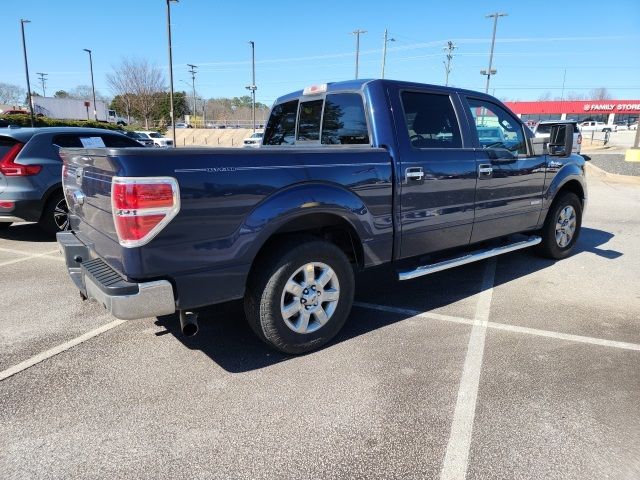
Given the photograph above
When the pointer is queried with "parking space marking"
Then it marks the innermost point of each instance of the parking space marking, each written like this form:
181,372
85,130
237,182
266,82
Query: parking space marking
456,458
30,257
415,313
58,349
565,336
503,326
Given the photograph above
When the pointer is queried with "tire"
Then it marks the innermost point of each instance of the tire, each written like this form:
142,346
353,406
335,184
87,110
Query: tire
55,217
4,225
267,301
558,238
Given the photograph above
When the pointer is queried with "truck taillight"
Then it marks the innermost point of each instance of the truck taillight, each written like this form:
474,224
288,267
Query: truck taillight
9,168
579,138
142,207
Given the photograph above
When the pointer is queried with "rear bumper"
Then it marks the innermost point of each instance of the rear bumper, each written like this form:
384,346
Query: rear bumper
98,281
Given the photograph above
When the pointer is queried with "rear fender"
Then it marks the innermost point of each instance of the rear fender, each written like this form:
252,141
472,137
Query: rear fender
305,199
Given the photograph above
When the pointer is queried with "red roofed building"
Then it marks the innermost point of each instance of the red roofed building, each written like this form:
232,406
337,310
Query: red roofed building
608,111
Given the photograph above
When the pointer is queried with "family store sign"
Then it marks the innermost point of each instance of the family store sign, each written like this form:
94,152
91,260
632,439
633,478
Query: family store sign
611,107
578,107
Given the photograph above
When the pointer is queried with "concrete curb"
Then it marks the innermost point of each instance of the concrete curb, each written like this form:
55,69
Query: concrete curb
600,173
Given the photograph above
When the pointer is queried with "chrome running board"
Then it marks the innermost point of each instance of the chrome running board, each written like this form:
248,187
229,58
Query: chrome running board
468,258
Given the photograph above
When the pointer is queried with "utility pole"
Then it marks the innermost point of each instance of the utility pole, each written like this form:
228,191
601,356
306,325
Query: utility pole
384,51
173,123
43,82
489,71
357,33
26,70
447,64
192,71
253,87
93,87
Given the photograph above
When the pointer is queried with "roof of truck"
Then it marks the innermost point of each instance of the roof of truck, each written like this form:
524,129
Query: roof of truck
355,85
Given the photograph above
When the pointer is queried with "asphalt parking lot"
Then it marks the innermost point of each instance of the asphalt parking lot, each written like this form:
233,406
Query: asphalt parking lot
512,368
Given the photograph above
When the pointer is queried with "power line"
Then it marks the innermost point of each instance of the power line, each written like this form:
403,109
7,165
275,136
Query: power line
43,82
447,63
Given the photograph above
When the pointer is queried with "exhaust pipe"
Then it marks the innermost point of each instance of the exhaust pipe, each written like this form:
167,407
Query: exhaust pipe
188,323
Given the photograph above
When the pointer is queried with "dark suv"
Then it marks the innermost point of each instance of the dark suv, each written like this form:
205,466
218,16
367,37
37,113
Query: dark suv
31,171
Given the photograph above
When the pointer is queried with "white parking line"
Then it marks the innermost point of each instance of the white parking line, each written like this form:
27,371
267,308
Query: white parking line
56,350
503,326
415,313
30,257
456,458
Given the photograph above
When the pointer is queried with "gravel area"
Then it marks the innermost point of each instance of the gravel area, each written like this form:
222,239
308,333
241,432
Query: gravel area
614,163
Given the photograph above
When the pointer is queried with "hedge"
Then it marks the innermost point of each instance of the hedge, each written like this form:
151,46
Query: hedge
25,121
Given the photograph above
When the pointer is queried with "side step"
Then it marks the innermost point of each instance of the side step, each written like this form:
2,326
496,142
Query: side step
468,258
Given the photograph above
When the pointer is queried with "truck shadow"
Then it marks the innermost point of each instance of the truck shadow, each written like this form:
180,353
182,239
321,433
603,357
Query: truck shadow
228,340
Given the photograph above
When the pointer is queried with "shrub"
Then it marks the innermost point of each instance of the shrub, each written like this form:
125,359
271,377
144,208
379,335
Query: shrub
25,121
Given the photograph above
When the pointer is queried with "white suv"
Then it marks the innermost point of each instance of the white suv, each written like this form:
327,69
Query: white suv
158,139
543,130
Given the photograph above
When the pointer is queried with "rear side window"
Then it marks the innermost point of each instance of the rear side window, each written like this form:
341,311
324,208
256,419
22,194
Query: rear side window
67,141
281,128
344,121
5,145
431,120
119,141
309,120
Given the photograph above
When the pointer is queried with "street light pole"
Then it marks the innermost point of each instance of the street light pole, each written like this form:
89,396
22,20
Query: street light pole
490,72
173,123
93,87
43,80
253,87
384,51
26,70
192,71
357,33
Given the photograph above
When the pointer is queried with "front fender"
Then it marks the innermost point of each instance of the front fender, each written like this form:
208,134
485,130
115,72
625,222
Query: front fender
309,198
569,172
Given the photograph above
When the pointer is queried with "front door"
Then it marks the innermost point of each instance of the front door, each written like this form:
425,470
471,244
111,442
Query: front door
510,177
437,174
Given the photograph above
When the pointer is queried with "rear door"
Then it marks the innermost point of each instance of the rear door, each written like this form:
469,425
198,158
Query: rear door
510,177
437,171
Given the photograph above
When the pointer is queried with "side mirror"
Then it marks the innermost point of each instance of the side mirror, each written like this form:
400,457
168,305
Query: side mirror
561,140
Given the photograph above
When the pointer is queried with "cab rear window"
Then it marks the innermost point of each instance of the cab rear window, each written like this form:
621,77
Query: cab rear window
339,119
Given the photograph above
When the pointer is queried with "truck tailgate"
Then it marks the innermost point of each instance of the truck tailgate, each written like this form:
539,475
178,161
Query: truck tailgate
86,178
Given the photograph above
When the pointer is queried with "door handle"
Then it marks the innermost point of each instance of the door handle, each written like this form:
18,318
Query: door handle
414,173
485,170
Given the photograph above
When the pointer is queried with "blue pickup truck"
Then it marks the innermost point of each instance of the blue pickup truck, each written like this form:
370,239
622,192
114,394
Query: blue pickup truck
349,175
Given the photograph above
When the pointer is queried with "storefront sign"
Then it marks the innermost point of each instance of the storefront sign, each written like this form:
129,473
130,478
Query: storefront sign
611,107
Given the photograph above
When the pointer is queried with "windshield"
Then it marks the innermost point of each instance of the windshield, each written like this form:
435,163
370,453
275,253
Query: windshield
155,135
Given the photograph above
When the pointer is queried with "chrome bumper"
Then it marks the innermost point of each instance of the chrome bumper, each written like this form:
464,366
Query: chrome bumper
123,299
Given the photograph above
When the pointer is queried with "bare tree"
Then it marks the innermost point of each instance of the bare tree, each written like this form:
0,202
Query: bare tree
84,92
11,94
545,97
140,82
572,96
599,94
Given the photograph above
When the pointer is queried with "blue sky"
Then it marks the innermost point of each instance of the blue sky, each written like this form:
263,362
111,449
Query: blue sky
301,43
